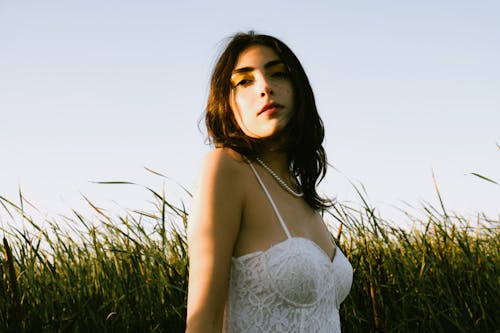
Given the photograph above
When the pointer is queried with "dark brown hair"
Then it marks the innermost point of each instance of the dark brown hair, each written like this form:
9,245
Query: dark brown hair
305,131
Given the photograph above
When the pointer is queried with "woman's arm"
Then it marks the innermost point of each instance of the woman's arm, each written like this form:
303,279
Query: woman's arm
212,231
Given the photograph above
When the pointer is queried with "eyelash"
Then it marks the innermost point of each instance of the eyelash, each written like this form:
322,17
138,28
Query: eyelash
280,74
242,83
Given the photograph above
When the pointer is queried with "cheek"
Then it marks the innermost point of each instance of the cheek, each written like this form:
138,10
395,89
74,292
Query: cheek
236,109
290,93
290,97
244,115
243,105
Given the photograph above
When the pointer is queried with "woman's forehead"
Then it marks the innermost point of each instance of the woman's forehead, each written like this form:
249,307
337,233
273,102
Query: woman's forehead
255,55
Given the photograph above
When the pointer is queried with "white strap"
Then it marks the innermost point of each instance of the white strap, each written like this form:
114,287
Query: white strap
271,200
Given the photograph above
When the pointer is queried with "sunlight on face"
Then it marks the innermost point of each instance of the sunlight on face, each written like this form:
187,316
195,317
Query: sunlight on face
262,92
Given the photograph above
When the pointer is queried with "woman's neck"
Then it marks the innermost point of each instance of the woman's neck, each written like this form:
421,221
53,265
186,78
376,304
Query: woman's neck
277,160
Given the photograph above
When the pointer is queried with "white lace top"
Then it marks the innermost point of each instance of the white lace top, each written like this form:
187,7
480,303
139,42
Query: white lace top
291,287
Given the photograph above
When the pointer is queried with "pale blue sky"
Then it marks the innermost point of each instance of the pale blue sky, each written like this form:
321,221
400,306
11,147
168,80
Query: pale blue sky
96,90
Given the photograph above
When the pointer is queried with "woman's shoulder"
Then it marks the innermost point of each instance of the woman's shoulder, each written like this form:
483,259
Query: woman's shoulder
224,172
225,161
225,166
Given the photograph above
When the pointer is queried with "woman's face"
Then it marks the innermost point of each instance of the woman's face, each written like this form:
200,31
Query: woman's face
261,97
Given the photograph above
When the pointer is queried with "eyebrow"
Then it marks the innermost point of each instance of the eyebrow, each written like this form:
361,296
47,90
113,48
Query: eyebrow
270,64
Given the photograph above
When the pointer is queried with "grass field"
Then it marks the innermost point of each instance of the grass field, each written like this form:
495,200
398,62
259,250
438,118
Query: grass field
129,273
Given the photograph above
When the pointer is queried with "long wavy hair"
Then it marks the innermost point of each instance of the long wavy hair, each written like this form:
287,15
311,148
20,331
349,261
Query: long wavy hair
305,131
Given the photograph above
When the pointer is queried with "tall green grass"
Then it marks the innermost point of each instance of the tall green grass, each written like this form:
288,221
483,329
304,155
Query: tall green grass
443,275
123,274
129,273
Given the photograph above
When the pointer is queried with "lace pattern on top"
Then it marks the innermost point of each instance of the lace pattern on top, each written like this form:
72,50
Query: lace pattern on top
291,287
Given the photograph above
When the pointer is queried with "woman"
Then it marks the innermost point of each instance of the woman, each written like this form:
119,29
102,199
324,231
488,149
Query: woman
261,258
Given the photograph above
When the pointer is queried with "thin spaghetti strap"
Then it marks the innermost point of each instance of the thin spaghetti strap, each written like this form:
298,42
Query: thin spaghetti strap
270,200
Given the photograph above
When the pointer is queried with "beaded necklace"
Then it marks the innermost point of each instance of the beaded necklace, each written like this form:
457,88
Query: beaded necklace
278,179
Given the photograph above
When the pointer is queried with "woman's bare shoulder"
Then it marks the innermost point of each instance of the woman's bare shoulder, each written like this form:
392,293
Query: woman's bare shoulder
224,162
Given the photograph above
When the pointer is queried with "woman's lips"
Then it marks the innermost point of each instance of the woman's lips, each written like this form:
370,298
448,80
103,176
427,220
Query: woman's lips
270,108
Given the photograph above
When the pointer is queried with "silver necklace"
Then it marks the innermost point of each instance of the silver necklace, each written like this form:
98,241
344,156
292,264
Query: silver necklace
278,179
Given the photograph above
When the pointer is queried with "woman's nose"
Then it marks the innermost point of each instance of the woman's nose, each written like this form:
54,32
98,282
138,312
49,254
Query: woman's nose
266,89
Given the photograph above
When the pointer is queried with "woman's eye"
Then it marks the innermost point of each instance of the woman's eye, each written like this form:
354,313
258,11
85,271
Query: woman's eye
280,74
244,82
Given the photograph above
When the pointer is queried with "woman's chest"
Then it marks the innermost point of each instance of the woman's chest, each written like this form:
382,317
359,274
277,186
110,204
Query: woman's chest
296,271
260,227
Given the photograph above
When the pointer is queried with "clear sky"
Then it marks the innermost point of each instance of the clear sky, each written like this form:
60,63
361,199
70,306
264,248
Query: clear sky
98,90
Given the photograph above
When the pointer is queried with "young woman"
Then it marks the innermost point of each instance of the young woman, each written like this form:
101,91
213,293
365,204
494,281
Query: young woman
261,257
